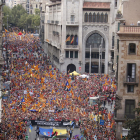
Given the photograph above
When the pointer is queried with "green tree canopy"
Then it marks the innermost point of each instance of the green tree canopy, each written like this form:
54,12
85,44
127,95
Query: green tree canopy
37,11
18,17
133,126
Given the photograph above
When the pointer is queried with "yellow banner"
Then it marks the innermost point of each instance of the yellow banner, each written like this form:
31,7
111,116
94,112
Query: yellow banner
60,131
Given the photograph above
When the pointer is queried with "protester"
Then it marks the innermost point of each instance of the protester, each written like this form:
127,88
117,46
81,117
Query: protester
37,91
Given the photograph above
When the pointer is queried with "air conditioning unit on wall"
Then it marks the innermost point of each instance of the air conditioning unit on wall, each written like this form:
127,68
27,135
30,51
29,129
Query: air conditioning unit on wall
138,23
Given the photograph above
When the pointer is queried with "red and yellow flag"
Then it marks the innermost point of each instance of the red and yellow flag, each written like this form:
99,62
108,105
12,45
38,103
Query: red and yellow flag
72,40
68,39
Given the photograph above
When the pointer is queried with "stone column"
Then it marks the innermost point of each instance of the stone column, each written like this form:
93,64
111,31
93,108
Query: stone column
63,23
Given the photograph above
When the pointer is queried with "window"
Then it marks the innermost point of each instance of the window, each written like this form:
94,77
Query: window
132,48
76,54
86,17
119,26
95,41
67,54
95,55
129,109
71,54
72,18
115,3
102,17
36,5
106,18
112,55
87,55
130,88
118,44
131,72
103,55
90,17
98,17
94,17
112,41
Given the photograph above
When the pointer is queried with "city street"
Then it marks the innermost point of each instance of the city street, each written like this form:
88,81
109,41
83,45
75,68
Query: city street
32,135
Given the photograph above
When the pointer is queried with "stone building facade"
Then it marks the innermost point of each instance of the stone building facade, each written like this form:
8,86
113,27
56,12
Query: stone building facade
31,5
128,91
81,21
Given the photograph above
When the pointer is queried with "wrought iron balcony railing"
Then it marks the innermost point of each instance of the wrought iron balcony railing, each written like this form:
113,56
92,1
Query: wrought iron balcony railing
131,81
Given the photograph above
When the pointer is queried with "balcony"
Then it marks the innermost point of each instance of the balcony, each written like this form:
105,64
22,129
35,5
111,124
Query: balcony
122,117
119,117
56,22
72,23
72,47
119,16
55,33
131,81
129,30
48,21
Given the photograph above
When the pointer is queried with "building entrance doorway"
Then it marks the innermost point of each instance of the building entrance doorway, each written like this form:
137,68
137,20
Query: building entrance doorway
71,68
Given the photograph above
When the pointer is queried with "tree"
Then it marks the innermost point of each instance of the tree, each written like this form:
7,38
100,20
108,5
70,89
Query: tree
36,20
7,14
37,11
22,22
133,126
18,17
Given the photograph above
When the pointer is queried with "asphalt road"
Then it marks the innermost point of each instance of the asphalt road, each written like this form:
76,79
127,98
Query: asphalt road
32,134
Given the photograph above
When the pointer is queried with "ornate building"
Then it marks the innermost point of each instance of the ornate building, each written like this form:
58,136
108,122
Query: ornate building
72,27
128,92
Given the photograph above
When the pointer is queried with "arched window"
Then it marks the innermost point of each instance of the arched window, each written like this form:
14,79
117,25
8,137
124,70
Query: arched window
106,18
75,40
72,40
98,17
90,17
68,40
94,17
86,17
102,17
95,41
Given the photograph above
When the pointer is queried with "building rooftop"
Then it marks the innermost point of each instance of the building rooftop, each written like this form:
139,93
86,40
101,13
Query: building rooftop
97,5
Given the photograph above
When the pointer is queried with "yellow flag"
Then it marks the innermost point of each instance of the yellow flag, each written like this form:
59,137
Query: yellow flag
60,131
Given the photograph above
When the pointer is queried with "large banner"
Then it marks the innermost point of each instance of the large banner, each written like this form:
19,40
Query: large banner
50,123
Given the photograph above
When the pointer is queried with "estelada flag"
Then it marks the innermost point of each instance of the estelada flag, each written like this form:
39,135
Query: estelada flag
72,40
68,39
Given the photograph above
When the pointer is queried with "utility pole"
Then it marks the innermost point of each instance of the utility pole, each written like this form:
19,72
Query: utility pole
90,61
100,54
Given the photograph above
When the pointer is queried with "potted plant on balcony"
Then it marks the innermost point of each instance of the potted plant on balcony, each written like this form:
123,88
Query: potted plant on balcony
119,14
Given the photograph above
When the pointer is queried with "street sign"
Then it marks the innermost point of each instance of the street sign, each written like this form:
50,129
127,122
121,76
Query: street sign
101,122
79,68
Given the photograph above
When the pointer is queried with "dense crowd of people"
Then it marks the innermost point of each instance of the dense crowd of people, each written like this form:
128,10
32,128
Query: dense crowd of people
38,91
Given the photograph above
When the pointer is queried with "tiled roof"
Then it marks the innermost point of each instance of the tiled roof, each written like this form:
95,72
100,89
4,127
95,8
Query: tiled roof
97,5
